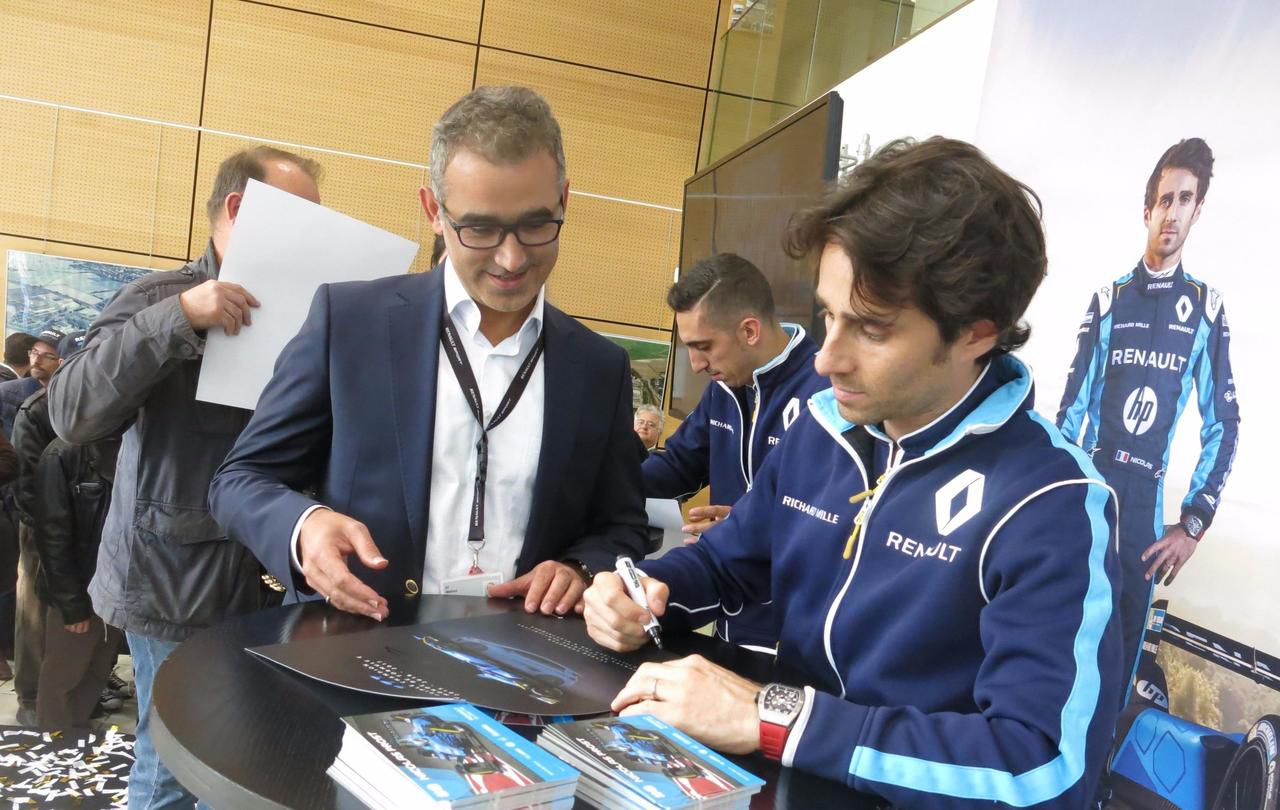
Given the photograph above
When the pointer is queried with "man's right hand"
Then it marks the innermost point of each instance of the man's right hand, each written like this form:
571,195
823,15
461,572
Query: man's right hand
215,303
613,620
325,541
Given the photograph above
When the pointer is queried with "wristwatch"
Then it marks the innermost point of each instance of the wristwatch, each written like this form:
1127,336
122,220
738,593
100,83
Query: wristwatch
779,707
1193,526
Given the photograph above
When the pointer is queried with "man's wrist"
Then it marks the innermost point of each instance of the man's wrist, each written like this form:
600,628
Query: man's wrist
1193,525
579,567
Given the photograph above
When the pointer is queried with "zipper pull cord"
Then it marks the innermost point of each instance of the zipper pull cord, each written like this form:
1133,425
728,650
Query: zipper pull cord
857,520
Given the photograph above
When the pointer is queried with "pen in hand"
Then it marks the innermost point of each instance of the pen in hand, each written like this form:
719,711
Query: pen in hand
631,581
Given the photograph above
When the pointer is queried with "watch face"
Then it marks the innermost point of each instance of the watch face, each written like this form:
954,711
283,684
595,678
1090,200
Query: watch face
1193,525
781,700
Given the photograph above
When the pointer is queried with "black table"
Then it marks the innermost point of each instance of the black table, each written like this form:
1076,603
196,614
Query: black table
241,733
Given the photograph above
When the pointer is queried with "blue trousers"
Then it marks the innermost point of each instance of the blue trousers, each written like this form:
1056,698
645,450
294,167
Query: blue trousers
151,786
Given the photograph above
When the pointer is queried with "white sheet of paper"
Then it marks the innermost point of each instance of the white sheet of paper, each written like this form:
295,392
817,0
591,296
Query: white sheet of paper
664,513
282,249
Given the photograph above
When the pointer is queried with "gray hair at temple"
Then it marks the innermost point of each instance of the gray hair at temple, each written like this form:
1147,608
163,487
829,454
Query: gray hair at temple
503,125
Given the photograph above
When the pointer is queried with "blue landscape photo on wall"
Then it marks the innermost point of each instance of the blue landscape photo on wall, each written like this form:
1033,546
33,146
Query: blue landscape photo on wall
57,292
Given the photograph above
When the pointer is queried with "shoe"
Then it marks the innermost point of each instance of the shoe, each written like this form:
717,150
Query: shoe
6,671
110,702
118,687
26,716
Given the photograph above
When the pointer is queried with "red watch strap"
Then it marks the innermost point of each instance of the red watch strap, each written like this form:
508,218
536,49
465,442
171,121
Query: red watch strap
773,738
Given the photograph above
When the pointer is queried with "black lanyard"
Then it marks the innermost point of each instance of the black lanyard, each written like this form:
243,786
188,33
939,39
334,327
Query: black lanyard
457,354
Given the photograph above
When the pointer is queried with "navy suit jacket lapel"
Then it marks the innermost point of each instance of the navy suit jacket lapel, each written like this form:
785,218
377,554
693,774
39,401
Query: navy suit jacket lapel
413,351
563,376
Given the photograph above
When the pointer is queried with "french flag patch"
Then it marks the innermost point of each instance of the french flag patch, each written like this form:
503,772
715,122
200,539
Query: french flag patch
1122,457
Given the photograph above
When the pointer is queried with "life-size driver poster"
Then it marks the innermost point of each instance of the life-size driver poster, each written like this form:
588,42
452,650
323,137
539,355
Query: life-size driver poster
1149,132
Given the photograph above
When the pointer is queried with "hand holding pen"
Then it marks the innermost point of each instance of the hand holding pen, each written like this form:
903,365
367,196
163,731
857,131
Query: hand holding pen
617,620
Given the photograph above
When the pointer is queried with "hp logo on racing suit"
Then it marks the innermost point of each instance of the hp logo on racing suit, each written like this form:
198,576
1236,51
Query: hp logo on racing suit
1140,410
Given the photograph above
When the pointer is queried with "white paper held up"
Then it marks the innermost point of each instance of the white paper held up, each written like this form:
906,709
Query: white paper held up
281,250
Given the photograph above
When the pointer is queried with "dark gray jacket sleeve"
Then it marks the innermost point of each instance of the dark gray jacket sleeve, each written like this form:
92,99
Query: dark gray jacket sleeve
133,345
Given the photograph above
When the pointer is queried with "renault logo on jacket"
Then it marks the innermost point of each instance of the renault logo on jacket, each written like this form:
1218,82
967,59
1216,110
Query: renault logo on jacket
966,490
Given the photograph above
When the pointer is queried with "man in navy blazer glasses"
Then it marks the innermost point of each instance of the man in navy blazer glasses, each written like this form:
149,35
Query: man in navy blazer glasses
455,427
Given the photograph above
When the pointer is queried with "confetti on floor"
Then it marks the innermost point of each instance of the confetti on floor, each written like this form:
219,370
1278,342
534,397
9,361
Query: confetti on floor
54,769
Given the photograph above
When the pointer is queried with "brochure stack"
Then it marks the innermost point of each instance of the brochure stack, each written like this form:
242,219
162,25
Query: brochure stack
450,756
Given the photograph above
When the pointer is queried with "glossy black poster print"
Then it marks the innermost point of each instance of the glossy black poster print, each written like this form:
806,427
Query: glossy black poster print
528,664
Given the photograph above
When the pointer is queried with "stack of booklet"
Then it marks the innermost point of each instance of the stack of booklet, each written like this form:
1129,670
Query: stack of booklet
641,762
450,756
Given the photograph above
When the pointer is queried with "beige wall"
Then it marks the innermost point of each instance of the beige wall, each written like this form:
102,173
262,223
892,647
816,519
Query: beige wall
627,81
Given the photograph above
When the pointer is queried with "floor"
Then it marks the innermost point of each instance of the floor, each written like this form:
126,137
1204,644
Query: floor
125,720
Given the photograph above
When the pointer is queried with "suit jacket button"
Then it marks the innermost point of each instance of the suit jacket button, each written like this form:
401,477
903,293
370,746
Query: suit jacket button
410,587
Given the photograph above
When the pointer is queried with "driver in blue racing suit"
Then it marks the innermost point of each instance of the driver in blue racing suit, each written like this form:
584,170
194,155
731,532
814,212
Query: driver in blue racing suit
1147,340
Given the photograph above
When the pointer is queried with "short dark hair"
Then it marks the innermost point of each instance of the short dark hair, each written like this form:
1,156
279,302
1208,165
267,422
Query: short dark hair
437,250
16,348
728,286
937,225
236,171
1192,154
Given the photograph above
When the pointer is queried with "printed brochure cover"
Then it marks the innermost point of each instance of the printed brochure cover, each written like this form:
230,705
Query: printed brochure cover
455,751
665,767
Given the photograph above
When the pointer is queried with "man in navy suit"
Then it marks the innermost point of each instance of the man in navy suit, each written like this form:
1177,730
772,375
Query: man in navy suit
454,428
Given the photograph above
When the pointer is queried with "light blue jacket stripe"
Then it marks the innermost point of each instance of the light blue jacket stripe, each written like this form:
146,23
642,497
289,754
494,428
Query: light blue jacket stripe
1211,428
1060,773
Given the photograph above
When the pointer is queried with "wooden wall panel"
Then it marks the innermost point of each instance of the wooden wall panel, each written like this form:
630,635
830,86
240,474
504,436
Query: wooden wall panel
616,262
623,137
27,135
663,39
382,194
455,19
137,58
109,173
302,78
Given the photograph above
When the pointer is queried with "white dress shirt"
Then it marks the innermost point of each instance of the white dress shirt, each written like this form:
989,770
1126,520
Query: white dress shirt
514,447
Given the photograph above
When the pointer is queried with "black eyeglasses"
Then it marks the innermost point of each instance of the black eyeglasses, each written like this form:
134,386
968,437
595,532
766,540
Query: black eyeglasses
530,233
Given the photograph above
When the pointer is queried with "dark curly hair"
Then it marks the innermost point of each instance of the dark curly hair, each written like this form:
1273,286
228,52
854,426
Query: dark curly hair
1192,154
937,225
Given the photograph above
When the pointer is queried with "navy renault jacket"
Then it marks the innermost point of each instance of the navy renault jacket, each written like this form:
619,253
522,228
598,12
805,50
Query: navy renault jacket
967,651
1144,344
718,445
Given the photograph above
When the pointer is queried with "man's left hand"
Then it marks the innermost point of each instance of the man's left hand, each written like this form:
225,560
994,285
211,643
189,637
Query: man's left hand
705,701
1171,552
551,587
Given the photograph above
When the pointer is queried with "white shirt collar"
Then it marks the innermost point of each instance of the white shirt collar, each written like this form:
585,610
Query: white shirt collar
466,313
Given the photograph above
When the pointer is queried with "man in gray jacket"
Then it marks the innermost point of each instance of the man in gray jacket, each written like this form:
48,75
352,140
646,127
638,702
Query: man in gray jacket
166,569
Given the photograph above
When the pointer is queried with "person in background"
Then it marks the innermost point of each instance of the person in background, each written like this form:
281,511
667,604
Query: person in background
43,361
647,422
166,568
762,373
8,559
73,491
16,361
31,433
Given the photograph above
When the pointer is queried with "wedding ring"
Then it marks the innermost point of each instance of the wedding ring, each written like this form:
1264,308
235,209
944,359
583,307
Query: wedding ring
653,692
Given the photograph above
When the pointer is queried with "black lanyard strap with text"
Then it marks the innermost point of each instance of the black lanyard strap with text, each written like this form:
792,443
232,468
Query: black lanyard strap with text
457,354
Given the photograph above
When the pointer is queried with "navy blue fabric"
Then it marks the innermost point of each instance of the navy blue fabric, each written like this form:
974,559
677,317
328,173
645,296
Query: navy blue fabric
350,412
12,394
1145,343
968,651
722,445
